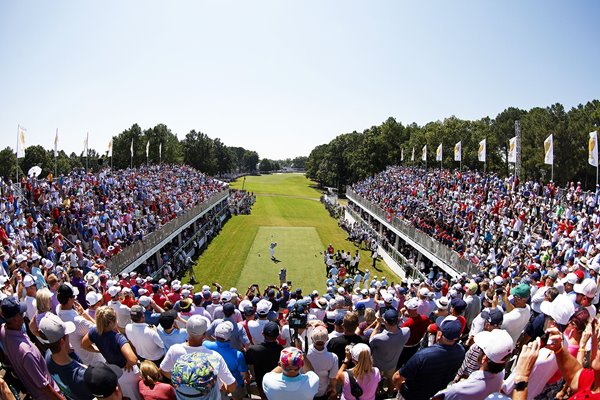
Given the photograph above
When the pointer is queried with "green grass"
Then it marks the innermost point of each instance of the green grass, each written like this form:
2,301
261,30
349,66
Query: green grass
288,209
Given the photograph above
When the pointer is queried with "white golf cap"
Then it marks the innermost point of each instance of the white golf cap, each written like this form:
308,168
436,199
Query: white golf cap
560,309
497,344
587,288
114,290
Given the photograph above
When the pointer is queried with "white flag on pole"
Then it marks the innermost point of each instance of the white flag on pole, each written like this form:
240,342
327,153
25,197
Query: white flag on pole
412,158
21,142
85,143
512,150
438,153
424,154
147,148
401,154
110,144
549,150
131,147
56,144
160,150
593,149
458,151
482,150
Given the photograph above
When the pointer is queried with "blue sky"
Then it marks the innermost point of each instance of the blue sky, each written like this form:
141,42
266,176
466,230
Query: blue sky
281,77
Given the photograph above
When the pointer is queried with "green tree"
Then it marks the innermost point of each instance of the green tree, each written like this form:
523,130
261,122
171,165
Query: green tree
8,164
265,165
37,156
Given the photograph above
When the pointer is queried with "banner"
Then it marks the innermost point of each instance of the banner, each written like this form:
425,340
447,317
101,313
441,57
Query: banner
110,144
412,158
21,142
401,154
549,150
593,149
438,153
56,144
85,144
424,155
458,151
482,151
512,150
131,147
147,148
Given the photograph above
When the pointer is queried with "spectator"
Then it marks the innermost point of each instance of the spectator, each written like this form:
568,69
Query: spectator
264,356
150,386
102,380
338,345
324,363
288,380
366,376
168,331
146,340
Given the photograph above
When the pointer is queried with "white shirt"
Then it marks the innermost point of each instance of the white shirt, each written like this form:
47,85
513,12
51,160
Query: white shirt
515,321
122,311
82,327
325,365
146,340
478,386
256,328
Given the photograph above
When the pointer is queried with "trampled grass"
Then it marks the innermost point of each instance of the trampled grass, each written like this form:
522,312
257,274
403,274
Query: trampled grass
288,211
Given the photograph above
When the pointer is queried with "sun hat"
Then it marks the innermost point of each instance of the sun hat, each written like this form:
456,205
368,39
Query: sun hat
93,298
442,303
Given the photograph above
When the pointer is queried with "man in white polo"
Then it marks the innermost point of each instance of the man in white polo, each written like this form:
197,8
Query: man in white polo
146,341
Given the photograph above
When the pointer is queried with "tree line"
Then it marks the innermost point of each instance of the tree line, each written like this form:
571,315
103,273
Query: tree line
354,156
198,150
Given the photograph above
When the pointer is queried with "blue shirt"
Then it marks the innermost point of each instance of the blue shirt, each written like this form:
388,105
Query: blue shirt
69,377
233,358
169,339
151,317
109,344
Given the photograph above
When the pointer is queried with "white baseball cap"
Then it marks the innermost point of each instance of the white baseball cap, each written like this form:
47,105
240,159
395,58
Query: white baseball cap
263,306
226,296
587,288
497,344
424,291
144,301
114,290
28,281
387,297
570,278
560,309
93,298
412,304
498,280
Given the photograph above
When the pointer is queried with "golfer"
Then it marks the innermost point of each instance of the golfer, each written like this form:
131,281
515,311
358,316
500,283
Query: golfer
272,249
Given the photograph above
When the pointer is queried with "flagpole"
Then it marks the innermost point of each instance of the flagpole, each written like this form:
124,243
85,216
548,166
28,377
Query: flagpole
87,151
55,155
17,170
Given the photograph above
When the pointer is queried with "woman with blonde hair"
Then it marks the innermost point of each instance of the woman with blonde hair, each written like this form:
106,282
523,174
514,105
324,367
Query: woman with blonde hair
366,327
364,374
43,303
116,350
150,386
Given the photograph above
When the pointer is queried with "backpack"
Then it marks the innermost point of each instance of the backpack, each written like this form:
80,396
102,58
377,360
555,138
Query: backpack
355,388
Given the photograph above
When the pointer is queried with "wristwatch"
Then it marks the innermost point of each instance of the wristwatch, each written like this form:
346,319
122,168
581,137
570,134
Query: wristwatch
521,385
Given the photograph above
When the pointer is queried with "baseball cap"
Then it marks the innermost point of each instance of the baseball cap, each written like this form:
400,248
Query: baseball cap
93,298
248,310
341,290
28,281
21,258
498,280
194,376
472,286
424,291
113,291
197,325
372,291
388,298
291,357
52,328
226,296
357,349
580,275
570,278
263,307
224,330
271,329
176,287
102,379
412,304
459,305
319,335
560,309
494,316
11,307
442,303
523,291
390,316
144,301
339,320
552,274
450,327
216,295
497,344
359,306
185,305
136,312
587,288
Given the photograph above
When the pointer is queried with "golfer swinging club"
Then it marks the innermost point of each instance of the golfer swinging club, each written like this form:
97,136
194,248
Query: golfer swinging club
272,249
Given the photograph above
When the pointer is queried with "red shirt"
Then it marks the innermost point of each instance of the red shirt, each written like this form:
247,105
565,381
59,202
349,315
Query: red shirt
160,391
584,386
418,326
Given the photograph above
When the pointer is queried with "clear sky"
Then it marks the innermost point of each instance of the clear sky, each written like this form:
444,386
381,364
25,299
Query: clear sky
281,77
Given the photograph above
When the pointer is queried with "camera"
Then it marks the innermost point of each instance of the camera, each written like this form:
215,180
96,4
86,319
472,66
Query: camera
297,319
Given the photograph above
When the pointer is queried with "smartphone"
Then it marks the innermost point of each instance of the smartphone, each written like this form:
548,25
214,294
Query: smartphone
544,339
289,283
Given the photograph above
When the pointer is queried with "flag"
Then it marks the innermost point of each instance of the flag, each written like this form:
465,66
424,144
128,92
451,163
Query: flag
512,150
110,143
147,148
401,154
593,149
458,151
21,142
482,150
160,150
424,155
549,150
412,158
438,153
85,143
56,144
131,147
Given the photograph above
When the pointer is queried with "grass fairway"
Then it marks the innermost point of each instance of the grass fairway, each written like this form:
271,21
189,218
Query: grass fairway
287,209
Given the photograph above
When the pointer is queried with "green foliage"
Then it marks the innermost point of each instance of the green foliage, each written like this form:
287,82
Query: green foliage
8,164
265,165
354,156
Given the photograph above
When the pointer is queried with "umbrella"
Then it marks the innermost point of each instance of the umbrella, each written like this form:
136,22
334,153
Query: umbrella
34,172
